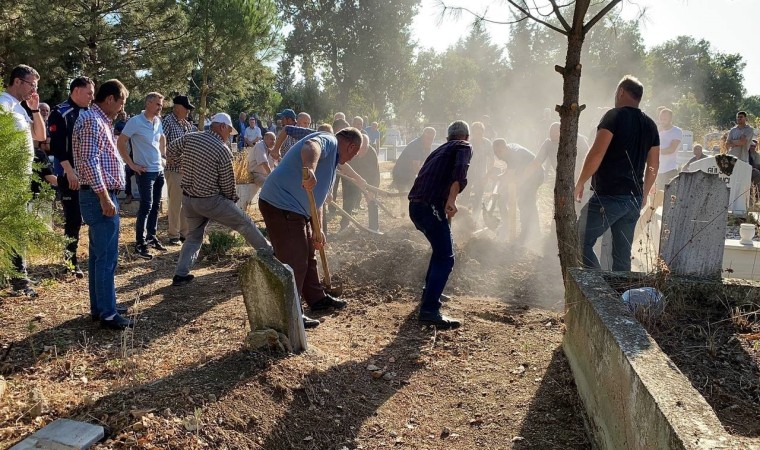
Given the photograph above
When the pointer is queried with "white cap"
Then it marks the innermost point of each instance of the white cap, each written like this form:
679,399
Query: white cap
225,119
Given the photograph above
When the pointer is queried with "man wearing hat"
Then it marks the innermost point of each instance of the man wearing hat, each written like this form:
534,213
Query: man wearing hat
288,117
176,125
208,189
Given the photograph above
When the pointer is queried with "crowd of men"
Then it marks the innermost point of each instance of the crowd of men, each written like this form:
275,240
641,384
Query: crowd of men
95,147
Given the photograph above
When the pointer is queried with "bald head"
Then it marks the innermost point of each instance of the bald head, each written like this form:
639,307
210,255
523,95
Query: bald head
303,120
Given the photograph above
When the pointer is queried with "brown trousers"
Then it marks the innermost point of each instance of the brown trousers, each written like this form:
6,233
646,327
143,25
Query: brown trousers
290,235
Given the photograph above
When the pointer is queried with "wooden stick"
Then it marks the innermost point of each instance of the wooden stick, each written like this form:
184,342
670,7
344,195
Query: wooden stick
348,216
316,227
377,200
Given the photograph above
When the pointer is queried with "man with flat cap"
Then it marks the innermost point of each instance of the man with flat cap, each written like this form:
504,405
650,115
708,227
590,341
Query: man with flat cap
176,125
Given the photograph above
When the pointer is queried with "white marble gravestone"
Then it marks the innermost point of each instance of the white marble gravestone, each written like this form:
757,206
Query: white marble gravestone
738,181
694,224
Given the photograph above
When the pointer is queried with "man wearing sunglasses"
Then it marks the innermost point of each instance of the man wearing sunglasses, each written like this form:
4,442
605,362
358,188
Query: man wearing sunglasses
22,86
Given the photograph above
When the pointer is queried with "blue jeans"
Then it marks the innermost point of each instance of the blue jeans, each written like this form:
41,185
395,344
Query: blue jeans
433,223
104,252
149,185
618,212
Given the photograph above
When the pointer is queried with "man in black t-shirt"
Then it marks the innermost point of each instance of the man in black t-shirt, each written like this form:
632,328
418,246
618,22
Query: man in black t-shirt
627,142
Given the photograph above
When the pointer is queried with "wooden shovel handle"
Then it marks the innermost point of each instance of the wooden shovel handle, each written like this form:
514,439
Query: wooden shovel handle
316,228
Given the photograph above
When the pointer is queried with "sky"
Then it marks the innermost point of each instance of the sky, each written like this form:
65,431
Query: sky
712,20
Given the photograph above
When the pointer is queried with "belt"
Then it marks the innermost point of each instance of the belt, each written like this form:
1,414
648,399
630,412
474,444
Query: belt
86,187
192,196
417,200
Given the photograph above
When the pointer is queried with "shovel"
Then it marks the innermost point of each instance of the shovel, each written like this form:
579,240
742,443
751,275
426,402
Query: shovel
358,224
367,189
316,228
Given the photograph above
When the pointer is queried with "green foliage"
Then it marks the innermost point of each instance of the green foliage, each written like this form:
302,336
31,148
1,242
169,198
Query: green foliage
221,242
21,227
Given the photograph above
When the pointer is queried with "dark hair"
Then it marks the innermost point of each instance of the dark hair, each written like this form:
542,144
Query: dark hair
80,82
21,72
741,113
633,86
113,88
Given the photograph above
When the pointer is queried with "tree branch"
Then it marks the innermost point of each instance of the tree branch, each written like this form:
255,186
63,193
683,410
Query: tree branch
599,15
455,12
559,15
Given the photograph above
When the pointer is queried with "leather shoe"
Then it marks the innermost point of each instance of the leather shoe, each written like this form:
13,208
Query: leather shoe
180,280
117,323
308,322
439,321
328,302
121,310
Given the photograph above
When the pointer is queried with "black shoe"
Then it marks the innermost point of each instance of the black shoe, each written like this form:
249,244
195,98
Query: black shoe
445,298
179,280
120,310
27,291
141,250
182,239
155,243
117,323
308,322
174,241
328,302
77,271
439,321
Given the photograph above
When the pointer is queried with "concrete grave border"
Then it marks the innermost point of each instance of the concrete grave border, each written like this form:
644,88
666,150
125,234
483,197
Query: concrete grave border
634,395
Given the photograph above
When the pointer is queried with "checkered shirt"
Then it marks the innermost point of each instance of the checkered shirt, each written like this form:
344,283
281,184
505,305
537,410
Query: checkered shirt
206,164
96,158
175,128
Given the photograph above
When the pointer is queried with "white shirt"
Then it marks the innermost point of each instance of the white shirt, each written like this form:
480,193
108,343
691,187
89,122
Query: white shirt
257,156
669,162
22,121
252,133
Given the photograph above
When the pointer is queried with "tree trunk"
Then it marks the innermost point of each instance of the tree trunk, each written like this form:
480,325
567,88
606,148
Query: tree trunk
569,112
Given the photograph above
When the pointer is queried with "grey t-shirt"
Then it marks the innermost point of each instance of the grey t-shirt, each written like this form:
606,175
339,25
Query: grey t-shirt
741,152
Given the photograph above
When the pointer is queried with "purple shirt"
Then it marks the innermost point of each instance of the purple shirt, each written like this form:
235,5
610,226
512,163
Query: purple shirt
445,165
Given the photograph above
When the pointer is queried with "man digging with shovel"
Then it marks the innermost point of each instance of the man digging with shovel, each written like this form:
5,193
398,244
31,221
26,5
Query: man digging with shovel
285,204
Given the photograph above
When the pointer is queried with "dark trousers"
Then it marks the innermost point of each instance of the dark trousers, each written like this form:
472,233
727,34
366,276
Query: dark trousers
433,223
351,198
72,216
128,172
291,235
22,281
150,185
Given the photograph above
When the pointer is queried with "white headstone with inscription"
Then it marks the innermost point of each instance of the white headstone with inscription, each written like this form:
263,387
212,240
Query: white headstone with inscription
738,181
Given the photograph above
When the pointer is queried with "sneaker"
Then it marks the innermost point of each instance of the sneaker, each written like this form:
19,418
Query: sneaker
328,301
27,291
308,322
155,243
180,280
439,321
120,310
117,322
75,269
174,241
141,250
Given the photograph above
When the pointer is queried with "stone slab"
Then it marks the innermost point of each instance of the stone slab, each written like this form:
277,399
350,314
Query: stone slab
272,300
694,224
738,181
634,396
63,434
741,260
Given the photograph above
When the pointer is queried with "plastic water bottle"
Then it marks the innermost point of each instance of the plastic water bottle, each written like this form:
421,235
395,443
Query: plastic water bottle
648,298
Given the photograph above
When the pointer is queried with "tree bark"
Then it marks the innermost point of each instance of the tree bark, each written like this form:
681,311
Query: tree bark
569,112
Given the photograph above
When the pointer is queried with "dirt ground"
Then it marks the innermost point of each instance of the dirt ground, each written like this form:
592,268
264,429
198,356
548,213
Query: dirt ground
718,348
183,380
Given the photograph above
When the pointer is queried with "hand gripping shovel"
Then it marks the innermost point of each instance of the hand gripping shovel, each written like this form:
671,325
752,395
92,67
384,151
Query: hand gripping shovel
316,229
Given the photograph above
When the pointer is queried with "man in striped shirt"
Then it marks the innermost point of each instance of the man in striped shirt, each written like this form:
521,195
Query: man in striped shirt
176,125
101,177
208,187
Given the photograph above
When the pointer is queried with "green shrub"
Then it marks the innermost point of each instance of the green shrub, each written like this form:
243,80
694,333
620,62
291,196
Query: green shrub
221,242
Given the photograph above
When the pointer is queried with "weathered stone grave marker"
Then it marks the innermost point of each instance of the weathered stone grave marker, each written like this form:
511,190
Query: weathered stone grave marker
738,178
694,218
63,434
273,304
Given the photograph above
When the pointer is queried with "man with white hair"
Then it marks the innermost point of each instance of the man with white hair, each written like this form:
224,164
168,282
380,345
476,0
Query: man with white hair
208,186
260,165
432,202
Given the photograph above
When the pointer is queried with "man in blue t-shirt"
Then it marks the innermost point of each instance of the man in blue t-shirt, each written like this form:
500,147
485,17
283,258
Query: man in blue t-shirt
627,142
145,135
284,204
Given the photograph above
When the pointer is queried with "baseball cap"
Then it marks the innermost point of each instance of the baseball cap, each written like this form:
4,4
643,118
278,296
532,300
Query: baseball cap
287,113
225,119
183,101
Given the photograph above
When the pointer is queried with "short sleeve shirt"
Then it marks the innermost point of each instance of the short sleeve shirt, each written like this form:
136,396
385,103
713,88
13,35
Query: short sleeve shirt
669,162
21,120
145,138
283,186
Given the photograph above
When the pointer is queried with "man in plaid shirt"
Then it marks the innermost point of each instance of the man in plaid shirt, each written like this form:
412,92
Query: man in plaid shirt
101,177
176,125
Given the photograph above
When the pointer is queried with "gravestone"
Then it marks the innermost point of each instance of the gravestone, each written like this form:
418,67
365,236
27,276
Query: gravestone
63,434
272,303
694,224
735,173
